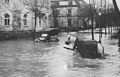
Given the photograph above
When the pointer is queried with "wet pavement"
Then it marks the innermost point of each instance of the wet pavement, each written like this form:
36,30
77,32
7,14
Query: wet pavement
25,58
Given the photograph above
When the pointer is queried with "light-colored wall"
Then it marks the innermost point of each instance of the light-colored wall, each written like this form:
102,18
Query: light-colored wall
29,25
18,5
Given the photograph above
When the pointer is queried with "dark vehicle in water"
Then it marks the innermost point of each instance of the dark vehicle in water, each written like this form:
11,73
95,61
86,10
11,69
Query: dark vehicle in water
49,35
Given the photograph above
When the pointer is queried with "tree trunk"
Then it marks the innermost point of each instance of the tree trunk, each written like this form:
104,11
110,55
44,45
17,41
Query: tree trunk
116,7
34,29
92,28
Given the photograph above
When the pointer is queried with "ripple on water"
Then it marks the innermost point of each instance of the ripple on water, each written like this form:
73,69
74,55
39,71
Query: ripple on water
25,59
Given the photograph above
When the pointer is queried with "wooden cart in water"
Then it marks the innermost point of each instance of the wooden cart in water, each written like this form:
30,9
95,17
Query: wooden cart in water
89,49
86,48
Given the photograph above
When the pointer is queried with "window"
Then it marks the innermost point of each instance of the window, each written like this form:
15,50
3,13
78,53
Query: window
25,19
70,3
26,2
40,21
6,19
63,3
6,1
69,12
0,6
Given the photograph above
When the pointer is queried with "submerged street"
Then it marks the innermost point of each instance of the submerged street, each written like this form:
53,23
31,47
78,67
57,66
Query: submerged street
25,58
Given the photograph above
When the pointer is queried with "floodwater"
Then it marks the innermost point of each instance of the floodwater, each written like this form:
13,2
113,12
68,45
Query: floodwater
25,58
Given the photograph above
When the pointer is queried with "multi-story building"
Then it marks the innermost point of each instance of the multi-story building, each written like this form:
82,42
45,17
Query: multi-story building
20,14
72,13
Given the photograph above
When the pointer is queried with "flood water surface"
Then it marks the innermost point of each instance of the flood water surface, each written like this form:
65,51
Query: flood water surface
24,58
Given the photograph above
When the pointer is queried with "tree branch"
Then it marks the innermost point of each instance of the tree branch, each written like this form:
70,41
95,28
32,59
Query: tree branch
116,7
42,5
6,7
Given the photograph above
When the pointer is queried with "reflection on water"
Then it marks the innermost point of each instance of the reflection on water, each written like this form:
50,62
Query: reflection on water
24,58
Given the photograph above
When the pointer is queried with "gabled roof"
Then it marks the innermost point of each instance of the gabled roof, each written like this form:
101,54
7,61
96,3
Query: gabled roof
66,0
76,1
59,0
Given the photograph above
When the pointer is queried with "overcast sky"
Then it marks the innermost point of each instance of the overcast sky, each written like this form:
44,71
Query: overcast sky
118,3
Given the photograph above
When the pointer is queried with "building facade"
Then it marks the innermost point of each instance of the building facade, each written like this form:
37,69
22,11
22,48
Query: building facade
72,13
18,15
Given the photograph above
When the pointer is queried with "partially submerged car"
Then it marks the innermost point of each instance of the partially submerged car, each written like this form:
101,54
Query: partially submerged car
49,35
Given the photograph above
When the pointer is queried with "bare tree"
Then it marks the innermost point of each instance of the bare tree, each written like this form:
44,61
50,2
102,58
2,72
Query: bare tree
36,6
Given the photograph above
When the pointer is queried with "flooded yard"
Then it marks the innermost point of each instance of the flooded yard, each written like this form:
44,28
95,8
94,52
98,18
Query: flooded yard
25,58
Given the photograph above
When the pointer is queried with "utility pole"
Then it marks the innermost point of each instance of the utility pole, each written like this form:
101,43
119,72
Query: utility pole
92,18
35,15
100,23
105,19
101,20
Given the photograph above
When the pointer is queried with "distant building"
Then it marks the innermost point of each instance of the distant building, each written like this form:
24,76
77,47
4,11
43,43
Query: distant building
72,13
19,15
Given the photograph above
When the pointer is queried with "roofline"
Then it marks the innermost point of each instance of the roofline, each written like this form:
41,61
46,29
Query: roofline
58,0
63,0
